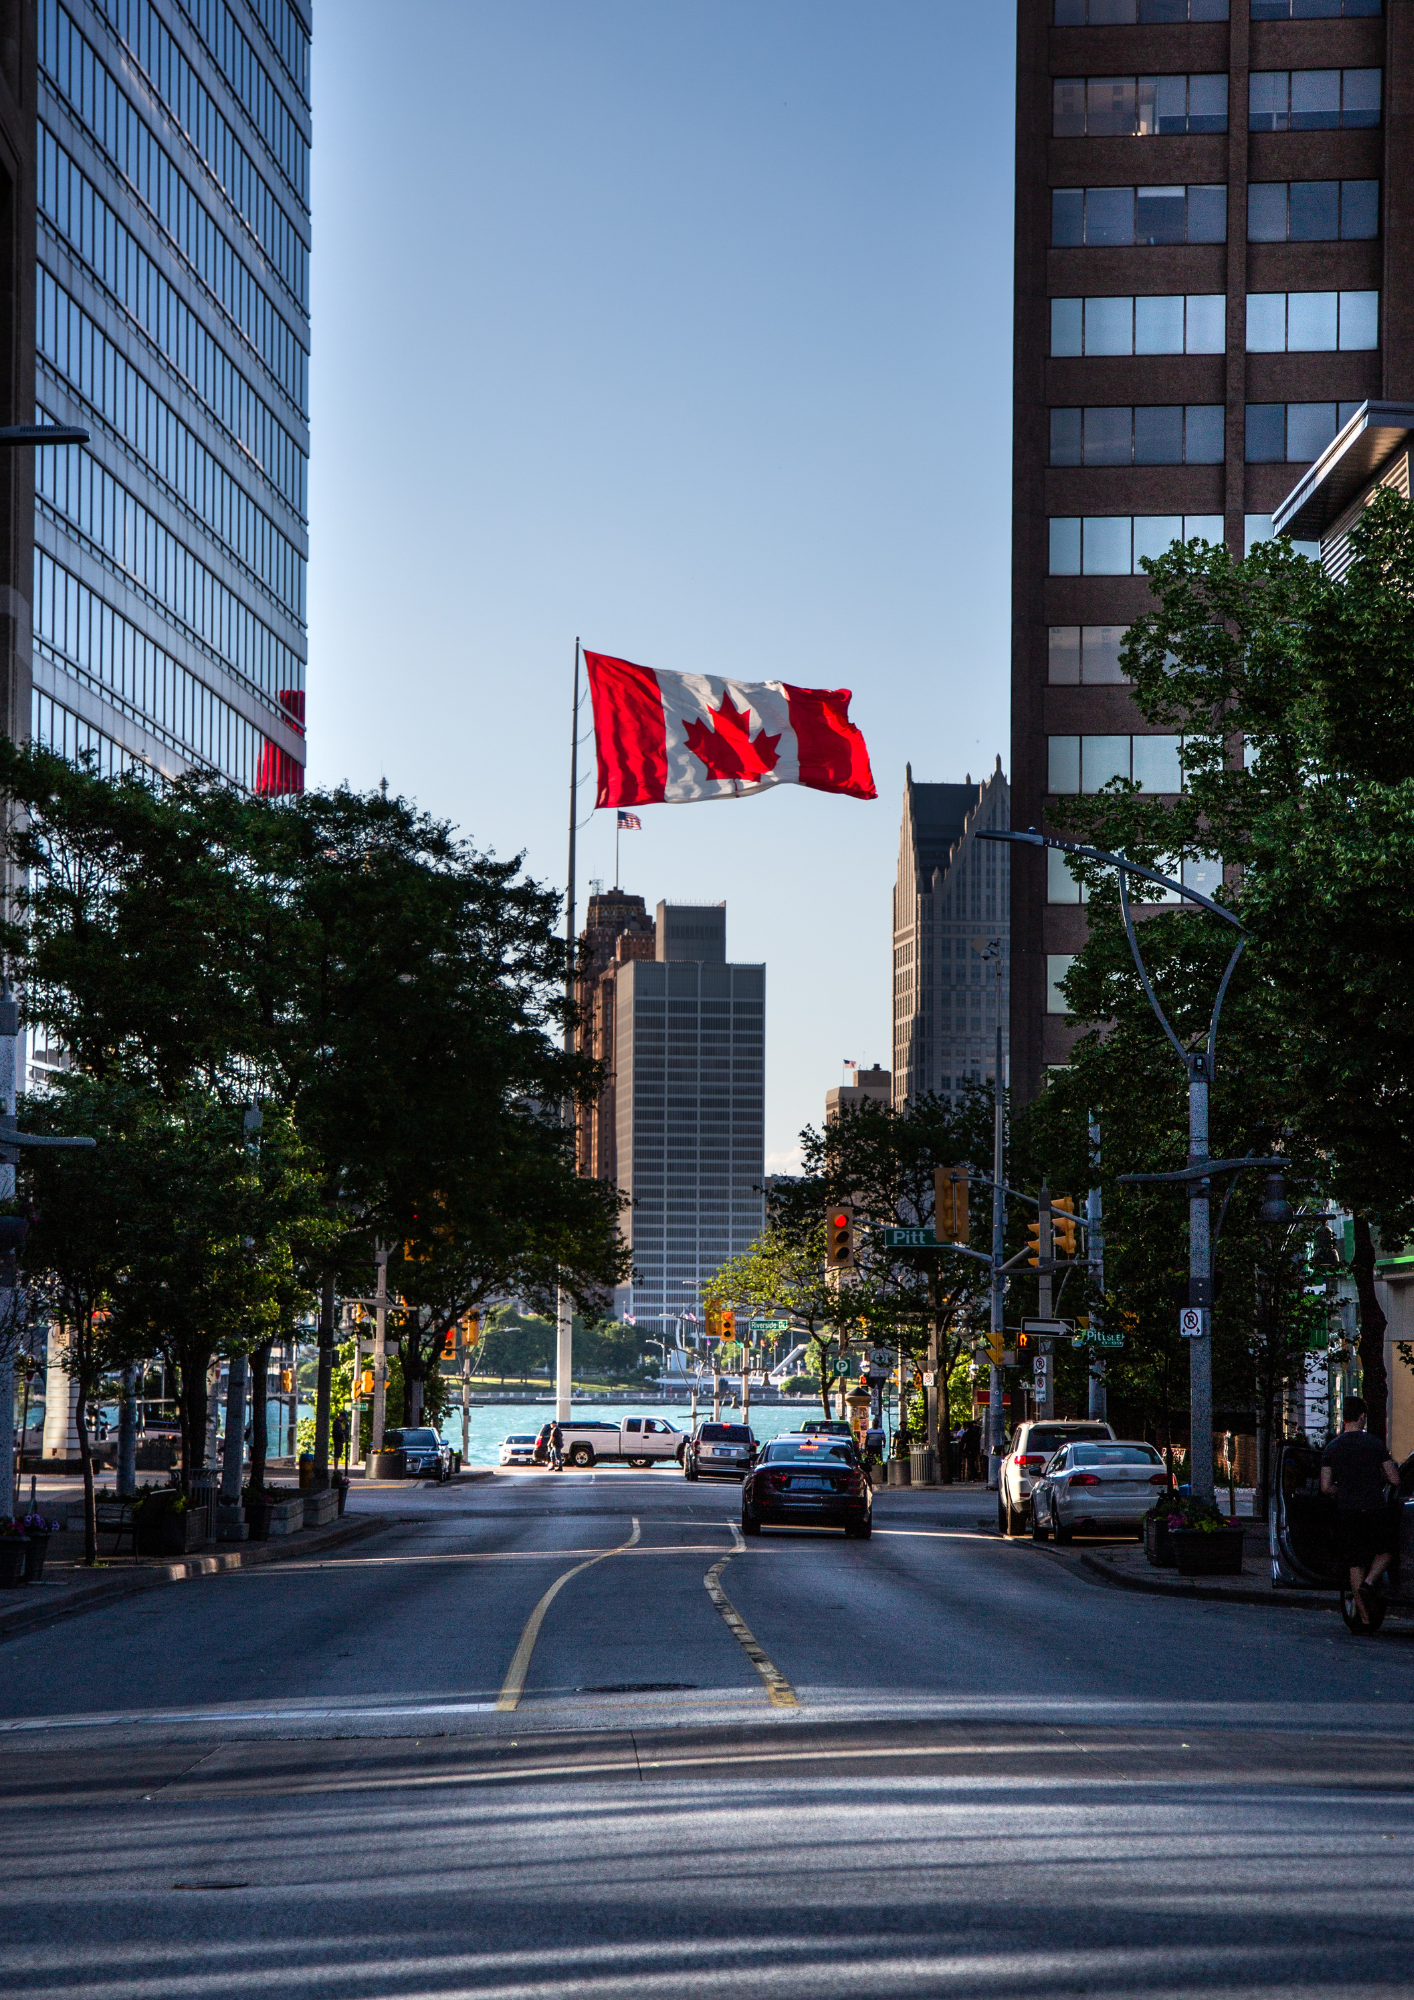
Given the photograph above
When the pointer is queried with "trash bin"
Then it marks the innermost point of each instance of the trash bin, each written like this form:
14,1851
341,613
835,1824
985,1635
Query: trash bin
920,1465
899,1471
306,1471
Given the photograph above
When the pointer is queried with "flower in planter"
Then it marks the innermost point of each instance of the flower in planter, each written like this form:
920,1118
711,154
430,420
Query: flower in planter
35,1524
1181,1513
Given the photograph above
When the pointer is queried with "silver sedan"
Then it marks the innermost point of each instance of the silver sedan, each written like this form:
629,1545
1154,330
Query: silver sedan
1101,1488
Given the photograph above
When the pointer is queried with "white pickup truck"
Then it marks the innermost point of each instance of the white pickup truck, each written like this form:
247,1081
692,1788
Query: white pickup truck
635,1441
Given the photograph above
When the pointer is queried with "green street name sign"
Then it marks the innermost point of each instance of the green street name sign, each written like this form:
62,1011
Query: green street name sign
1087,1339
911,1239
769,1325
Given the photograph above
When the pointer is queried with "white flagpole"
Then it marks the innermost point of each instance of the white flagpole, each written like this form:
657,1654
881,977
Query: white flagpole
564,1306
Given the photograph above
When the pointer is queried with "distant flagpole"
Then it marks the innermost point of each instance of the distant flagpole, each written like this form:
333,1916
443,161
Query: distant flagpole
564,1308
618,829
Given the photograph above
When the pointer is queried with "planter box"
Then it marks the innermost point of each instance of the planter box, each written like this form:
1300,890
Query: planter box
170,1534
386,1465
267,1518
14,1561
1217,1554
321,1508
899,1472
1158,1544
38,1548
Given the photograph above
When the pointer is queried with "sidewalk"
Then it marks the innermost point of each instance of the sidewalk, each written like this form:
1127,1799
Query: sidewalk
1125,1566
65,1590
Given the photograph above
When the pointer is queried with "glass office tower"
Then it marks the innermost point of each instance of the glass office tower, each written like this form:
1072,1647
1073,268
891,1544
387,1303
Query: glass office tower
172,323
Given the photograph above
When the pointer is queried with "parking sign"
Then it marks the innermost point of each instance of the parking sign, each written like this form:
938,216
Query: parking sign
1192,1322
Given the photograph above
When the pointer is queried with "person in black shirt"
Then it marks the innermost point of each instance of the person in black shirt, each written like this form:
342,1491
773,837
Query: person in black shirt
1359,1471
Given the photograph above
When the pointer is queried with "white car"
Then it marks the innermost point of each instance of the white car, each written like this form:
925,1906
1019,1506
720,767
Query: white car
1031,1447
518,1450
1100,1488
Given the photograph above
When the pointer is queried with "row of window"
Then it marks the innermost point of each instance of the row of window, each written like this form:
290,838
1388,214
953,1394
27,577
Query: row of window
142,31
1278,100
1137,106
1116,544
1160,13
1102,216
1161,323
1172,323
1085,655
89,228
1088,763
92,94
1192,434
80,213
84,497
101,374
1277,212
1152,434
262,205
1201,872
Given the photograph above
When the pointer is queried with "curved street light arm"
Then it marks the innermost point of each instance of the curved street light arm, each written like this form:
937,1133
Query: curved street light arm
1033,839
1153,998
1218,1004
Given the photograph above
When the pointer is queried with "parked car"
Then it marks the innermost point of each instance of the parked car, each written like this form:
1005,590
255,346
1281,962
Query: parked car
1103,1487
804,1481
719,1448
834,1427
1032,1446
518,1449
640,1441
425,1454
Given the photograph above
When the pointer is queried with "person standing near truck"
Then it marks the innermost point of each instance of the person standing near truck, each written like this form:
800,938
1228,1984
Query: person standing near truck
1358,1470
557,1448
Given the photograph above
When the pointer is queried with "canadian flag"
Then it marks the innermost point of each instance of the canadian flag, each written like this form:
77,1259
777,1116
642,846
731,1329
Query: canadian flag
668,738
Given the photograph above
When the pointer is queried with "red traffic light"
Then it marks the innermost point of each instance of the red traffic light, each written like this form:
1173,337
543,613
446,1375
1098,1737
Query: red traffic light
841,1222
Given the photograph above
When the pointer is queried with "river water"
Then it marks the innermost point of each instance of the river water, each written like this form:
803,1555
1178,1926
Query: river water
493,1422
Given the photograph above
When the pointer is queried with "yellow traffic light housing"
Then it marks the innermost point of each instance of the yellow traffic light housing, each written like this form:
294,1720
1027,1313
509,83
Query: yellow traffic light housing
950,1214
839,1238
1063,1225
726,1323
1033,1230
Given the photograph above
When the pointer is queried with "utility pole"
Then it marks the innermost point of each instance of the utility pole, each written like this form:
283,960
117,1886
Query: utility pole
380,1352
1095,1256
994,1412
9,1293
1043,1367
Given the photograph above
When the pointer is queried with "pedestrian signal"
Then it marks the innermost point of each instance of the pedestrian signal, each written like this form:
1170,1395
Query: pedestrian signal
1063,1225
950,1218
1033,1230
839,1239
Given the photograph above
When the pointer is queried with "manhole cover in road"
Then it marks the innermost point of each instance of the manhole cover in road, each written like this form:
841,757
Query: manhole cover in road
641,1687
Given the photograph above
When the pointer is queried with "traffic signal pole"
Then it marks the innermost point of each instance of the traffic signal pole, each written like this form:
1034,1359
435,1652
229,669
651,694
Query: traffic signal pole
1095,1257
564,1304
994,1380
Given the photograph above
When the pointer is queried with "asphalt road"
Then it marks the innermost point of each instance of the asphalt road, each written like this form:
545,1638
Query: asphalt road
568,1735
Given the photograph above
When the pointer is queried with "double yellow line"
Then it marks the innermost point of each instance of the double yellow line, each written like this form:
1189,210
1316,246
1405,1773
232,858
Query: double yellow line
779,1691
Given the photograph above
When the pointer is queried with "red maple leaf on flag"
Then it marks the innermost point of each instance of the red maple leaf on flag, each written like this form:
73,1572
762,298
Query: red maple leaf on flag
728,751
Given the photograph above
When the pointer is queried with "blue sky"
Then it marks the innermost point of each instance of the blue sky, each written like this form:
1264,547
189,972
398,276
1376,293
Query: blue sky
686,328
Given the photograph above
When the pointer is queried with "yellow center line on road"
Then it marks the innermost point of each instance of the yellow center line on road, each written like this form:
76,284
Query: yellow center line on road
779,1691
514,1685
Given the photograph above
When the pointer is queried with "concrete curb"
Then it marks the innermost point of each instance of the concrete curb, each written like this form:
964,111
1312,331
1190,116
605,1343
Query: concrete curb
126,1583
1190,1587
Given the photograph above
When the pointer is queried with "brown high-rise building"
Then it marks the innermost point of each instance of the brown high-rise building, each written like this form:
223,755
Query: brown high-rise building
1214,233
618,929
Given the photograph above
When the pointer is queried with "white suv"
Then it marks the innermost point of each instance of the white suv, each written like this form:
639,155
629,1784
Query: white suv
1032,1448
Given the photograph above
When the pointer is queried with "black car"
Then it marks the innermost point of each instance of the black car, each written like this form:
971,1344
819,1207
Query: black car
425,1454
719,1448
805,1481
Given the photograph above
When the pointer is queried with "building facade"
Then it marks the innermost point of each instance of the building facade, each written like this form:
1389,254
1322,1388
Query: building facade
618,929
952,901
171,318
870,1086
1214,218
690,1062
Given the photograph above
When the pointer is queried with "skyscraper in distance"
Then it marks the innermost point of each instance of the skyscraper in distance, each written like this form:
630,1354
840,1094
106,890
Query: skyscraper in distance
171,317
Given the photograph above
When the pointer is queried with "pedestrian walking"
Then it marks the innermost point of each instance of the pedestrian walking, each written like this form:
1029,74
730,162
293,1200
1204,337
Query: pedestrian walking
557,1448
1359,1472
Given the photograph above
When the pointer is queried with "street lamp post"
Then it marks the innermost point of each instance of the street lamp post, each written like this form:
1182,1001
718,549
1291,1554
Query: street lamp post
1199,1065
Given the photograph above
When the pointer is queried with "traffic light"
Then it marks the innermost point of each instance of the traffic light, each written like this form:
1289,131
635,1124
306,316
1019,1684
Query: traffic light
992,1344
287,1380
1063,1225
449,1345
712,1322
1033,1230
726,1323
365,1382
839,1239
950,1219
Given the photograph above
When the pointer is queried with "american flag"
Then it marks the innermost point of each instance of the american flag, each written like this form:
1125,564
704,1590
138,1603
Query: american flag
630,823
